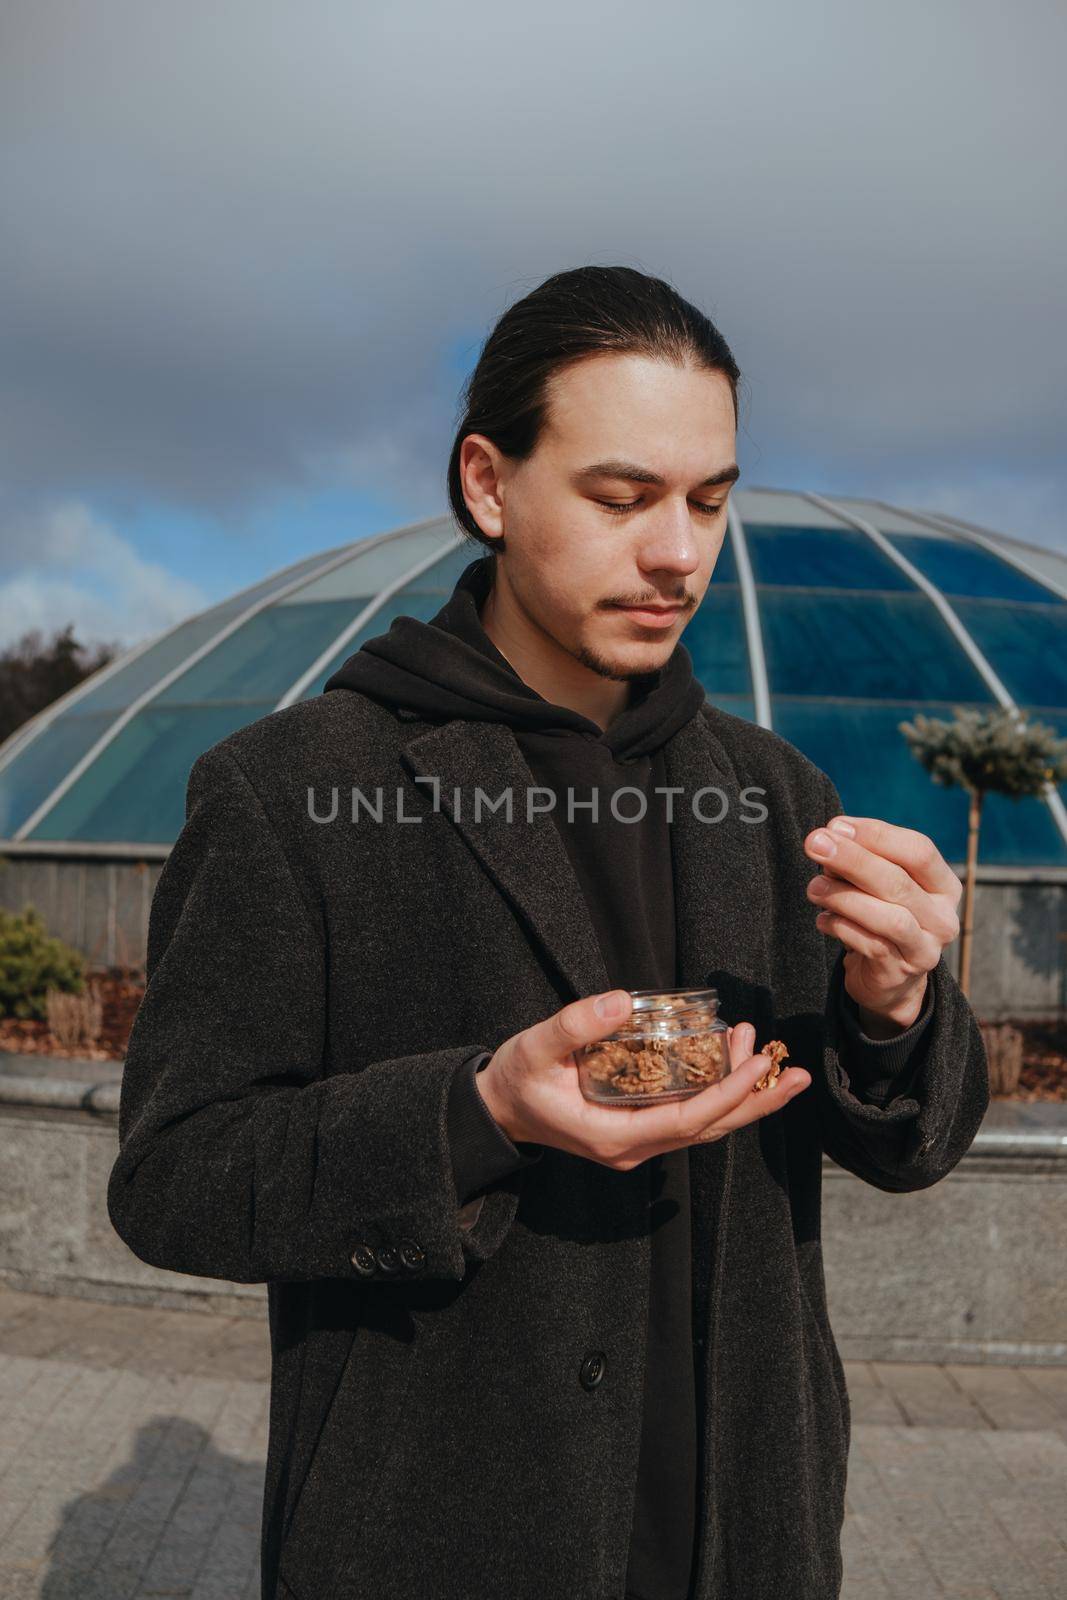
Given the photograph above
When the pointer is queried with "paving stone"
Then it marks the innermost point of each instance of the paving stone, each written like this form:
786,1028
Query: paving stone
1002,1394
134,1442
927,1395
871,1400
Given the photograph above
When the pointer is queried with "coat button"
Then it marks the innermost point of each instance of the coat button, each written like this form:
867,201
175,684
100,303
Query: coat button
412,1255
592,1369
388,1260
364,1260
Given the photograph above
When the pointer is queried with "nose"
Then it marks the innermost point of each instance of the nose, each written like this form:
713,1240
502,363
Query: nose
670,549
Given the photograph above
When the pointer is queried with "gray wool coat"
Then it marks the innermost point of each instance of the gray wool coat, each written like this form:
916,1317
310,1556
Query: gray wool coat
437,1426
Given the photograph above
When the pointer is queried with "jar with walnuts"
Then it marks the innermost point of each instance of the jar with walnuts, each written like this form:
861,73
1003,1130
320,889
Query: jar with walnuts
673,1045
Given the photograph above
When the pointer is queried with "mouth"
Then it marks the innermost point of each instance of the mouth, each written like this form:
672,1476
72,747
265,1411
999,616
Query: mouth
653,616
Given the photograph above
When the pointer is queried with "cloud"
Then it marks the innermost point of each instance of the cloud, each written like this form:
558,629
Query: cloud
67,566
244,240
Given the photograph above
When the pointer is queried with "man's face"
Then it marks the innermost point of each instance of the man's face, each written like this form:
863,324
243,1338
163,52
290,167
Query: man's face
582,545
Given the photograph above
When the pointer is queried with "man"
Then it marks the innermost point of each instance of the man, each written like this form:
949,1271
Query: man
524,1345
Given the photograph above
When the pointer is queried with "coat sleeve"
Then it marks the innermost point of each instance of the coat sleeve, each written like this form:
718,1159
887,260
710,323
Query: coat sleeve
877,1070
482,1153
239,1157
919,1135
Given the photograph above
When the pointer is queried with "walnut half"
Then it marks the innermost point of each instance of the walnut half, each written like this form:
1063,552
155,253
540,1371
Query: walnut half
778,1053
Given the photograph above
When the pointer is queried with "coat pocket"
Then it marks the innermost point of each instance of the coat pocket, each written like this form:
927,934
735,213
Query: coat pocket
362,1427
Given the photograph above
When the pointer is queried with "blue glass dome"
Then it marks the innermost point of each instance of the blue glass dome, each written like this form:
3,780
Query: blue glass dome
828,621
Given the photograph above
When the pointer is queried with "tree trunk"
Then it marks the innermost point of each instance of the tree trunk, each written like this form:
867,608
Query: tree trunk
1004,1055
967,920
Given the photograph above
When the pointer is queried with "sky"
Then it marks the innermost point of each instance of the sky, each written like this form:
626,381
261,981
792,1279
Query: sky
250,251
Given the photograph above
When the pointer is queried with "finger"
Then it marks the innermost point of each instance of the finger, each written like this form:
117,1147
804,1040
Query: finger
578,1023
931,914
742,1042
913,852
928,917
895,925
694,1114
793,1081
919,959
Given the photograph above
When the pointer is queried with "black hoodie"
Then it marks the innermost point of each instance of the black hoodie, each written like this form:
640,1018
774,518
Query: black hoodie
449,668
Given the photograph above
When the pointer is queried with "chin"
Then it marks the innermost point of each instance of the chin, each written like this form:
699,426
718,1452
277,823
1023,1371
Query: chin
637,659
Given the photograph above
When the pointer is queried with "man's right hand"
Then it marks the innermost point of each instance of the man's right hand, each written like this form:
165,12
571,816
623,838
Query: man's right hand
531,1087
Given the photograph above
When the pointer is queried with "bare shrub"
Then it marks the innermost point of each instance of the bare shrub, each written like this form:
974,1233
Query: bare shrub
75,1020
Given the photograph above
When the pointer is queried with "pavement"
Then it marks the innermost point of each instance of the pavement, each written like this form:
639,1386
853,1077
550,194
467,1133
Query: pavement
133,1441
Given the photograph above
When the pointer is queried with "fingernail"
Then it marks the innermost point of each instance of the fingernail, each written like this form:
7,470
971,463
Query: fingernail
822,844
610,1005
842,826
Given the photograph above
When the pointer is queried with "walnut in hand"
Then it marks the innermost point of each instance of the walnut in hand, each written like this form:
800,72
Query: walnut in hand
778,1053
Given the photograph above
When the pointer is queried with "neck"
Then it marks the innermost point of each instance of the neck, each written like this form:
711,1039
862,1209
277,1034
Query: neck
543,665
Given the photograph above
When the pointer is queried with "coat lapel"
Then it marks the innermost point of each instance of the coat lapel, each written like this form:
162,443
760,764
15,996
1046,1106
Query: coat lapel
527,861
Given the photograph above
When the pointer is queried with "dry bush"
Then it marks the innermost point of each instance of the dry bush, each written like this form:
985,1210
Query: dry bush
75,1020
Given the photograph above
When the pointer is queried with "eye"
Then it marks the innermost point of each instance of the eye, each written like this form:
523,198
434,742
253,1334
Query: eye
619,508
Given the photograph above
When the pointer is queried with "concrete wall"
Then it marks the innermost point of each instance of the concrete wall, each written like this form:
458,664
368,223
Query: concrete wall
55,1233
1018,965
969,1270
99,906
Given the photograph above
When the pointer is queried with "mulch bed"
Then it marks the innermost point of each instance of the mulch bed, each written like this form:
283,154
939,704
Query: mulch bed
121,993
1044,1074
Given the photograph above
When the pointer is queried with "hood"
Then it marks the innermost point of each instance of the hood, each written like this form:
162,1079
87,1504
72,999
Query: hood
449,667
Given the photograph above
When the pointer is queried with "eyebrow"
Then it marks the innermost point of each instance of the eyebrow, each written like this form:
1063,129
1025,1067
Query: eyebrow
632,473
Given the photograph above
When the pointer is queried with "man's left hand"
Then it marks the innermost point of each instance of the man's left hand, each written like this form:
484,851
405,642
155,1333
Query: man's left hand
890,897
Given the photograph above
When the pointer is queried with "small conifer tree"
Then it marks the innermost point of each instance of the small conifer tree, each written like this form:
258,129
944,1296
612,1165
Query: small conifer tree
985,752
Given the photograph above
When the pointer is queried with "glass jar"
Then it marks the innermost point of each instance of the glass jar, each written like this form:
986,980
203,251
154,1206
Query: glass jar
672,1046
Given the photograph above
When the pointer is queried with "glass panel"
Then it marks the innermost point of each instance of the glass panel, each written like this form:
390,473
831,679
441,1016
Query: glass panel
31,775
860,747
262,657
128,683
135,790
893,647
738,705
816,558
370,571
725,569
886,518
715,639
442,578
1025,645
119,691
767,505
967,569
424,607
1045,564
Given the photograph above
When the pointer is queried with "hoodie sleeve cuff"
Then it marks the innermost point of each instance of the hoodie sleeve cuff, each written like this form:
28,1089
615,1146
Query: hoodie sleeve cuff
880,1069
482,1153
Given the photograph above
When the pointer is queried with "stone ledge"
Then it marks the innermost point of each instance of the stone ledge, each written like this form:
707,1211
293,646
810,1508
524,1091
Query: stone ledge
967,1269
